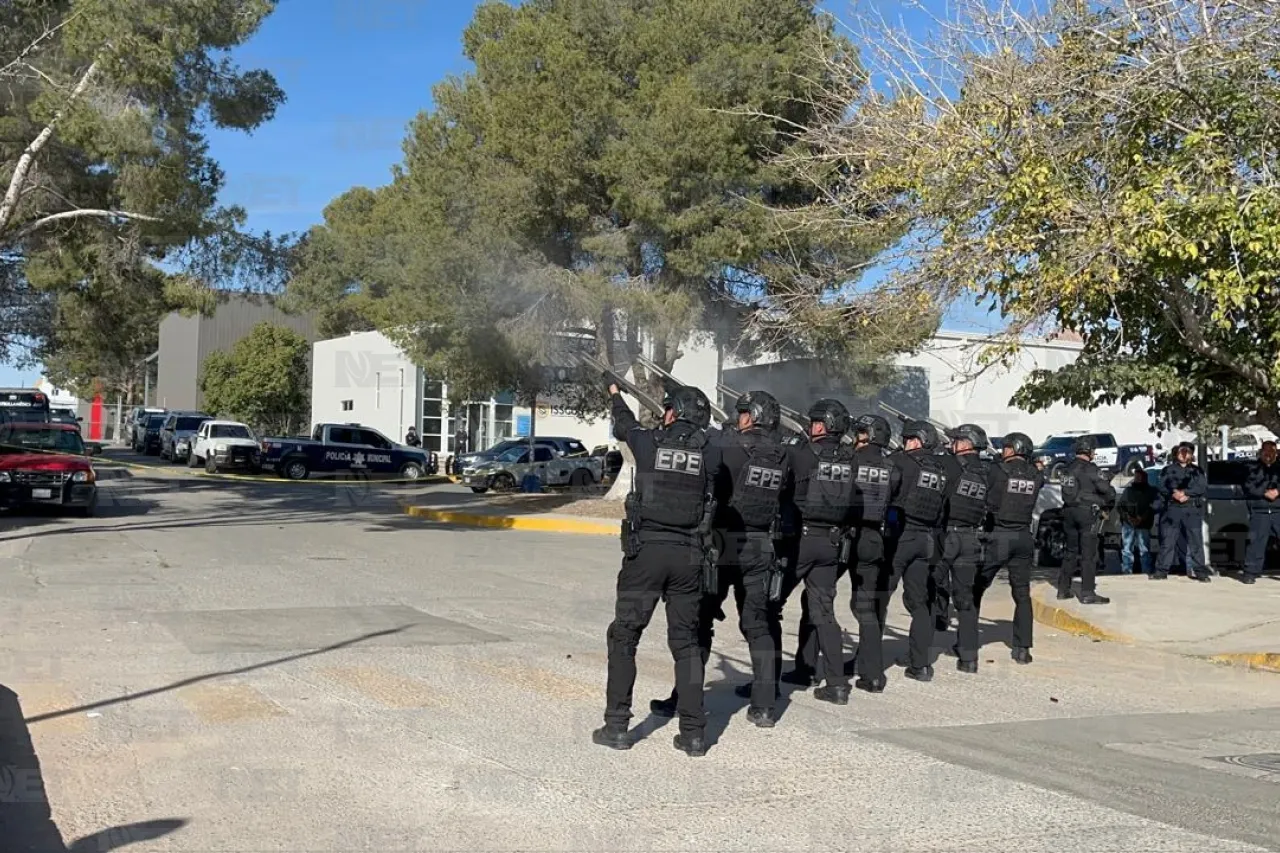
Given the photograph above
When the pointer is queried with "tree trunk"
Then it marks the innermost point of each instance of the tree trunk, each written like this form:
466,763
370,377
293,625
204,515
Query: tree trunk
622,484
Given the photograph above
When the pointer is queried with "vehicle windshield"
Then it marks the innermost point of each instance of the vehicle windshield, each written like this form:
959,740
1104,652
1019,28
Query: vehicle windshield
1057,445
155,422
58,440
189,423
504,446
513,454
230,431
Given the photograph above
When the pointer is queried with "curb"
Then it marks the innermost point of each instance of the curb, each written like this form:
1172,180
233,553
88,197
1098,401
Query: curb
514,522
1065,620
1266,661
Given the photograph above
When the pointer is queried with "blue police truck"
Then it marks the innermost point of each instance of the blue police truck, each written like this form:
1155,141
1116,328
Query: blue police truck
344,449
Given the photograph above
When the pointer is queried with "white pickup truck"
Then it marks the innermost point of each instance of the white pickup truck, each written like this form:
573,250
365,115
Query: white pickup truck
221,445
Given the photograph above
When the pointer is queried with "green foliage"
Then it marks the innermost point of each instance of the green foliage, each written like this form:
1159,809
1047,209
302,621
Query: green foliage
263,381
606,170
104,171
1115,177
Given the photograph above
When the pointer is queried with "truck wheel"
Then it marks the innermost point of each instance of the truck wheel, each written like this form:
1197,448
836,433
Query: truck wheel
479,490
503,482
295,469
192,460
580,478
410,471
1051,540
211,465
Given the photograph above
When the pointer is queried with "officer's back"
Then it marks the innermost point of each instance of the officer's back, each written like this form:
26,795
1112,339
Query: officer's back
1083,485
755,468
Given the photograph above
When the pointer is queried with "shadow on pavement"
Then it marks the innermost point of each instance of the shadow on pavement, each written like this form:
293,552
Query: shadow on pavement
26,818
209,676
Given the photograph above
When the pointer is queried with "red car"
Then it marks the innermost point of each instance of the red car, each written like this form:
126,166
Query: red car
46,465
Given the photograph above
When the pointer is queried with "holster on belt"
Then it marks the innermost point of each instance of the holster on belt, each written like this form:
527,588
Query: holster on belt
631,527
1099,519
710,553
773,578
846,546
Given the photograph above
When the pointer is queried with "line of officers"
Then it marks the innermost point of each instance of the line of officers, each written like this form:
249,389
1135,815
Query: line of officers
739,509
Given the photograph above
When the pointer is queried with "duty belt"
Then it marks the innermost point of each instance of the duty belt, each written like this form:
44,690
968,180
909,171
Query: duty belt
808,527
963,526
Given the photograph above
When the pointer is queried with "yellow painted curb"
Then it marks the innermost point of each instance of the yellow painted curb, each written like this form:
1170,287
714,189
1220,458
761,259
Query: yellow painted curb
1269,661
1065,620
514,522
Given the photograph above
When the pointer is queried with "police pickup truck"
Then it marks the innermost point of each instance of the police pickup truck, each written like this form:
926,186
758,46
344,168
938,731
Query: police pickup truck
1056,453
343,449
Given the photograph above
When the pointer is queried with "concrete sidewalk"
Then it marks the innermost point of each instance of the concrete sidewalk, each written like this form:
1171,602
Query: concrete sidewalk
1224,620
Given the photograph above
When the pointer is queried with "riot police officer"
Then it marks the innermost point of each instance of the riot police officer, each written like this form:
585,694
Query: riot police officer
669,508
878,483
962,543
1182,491
1086,494
924,488
1262,489
1013,487
825,496
756,478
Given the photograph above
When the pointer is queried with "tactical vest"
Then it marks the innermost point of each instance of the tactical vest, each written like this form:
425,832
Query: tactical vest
830,492
1073,483
967,504
1019,495
674,493
874,479
757,488
926,489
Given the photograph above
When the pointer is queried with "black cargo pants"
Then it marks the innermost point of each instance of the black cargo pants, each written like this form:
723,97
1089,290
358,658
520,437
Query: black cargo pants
871,591
671,571
913,562
818,567
1012,549
1079,526
960,566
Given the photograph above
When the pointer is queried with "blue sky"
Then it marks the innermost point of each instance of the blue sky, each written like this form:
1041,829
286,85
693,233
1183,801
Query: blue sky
355,73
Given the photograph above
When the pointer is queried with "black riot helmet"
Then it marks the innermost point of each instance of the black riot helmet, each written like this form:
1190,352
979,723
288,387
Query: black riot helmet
922,430
1085,445
831,414
1020,444
972,433
763,408
690,405
876,429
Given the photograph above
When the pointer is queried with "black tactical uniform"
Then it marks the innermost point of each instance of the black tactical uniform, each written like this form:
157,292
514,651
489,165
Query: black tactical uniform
667,510
1013,489
1264,512
923,503
962,545
755,479
879,482
825,495
1182,522
1086,494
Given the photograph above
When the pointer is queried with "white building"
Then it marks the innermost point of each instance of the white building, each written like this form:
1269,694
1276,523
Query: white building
365,378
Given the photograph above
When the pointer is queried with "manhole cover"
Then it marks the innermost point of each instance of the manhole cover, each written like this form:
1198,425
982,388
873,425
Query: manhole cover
1268,762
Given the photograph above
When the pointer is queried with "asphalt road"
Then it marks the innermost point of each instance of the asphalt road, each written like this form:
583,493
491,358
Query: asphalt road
214,666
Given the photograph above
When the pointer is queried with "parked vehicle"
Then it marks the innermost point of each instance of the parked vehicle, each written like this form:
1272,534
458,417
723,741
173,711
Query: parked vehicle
562,445
506,471
137,423
612,460
225,445
343,448
1048,532
177,433
65,416
24,405
1113,458
45,464
1240,445
148,441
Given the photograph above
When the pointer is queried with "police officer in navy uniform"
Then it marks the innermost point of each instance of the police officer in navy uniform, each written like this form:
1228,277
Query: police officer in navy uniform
825,496
756,479
667,510
1262,490
1086,494
1013,488
878,483
1182,491
923,503
969,479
